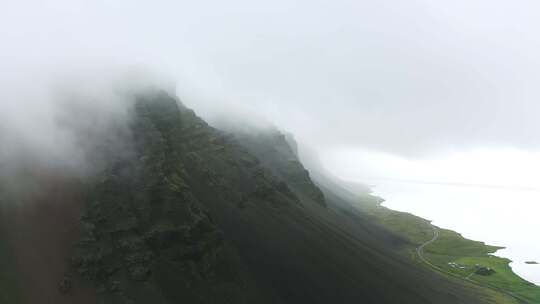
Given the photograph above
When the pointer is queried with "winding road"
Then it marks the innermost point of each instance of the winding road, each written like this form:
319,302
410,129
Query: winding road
420,249
420,252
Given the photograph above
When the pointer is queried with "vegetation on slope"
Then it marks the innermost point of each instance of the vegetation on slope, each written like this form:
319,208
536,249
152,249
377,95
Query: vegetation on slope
192,215
453,254
278,152
188,213
147,238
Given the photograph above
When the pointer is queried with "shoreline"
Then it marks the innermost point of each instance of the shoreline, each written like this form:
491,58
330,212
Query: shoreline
407,199
495,253
454,253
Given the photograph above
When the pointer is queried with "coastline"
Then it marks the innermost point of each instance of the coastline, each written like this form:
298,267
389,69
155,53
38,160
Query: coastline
478,214
454,247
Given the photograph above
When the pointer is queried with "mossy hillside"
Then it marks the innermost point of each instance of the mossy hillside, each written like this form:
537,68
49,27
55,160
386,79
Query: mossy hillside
191,215
185,213
450,248
146,235
278,151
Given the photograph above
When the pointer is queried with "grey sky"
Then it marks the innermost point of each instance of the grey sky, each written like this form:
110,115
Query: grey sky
402,77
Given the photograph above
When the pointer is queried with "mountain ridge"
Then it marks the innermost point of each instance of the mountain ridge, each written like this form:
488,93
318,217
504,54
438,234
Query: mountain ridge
199,215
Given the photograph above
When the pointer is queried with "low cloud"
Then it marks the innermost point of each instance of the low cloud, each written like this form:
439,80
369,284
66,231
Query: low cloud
409,79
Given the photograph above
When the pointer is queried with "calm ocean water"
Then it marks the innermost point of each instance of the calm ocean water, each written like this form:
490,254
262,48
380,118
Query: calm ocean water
497,216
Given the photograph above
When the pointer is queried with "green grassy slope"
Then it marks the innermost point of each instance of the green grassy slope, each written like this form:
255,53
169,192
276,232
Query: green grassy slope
451,247
466,254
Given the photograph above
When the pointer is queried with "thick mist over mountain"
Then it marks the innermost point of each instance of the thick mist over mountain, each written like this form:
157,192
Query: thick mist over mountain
60,119
180,151
403,78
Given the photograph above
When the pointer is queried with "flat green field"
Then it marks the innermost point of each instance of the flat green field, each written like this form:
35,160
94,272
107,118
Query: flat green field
466,256
454,255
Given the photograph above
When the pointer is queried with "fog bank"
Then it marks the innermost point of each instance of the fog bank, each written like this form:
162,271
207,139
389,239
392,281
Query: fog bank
405,78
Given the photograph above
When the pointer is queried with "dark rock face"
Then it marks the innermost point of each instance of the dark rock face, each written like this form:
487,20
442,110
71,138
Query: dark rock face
192,216
278,152
143,220
65,285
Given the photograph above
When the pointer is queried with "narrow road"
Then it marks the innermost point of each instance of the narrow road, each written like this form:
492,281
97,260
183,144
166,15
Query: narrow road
420,252
420,249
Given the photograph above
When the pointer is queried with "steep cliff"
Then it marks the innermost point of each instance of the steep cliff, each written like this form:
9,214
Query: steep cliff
192,214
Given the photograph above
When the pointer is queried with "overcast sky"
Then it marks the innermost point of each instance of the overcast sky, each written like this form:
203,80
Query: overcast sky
412,79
